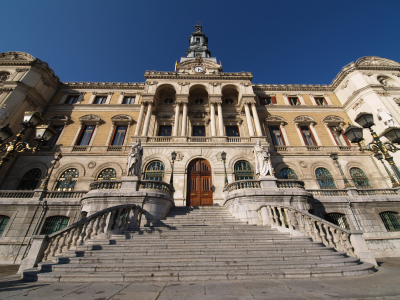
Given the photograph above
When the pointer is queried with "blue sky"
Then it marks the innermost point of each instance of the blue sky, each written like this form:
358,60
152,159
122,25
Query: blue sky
280,42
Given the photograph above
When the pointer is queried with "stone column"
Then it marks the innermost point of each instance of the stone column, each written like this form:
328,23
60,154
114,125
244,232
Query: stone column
139,122
256,119
147,120
176,125
220,120
184,117
213,128
249,120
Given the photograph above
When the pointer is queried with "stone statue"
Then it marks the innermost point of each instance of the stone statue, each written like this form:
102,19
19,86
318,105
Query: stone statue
135,159
263,160
386,117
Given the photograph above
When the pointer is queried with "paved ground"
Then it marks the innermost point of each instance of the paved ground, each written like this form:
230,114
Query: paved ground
385,284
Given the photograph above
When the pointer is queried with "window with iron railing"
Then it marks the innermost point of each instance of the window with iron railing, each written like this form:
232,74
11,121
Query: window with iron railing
338,219
391,220
243,170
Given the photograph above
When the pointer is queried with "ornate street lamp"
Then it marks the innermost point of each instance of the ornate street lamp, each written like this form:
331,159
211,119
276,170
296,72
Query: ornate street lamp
31,119
355,135
335,157
57,157
379,157
173,157
223,156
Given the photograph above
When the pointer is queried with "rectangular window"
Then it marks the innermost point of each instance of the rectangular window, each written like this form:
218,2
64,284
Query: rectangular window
129,100
86,135
339,137
72,99
100,100
276,134
307,136
119,136
320,101
165,130
267,100
199,131
53,140
232,131
294,101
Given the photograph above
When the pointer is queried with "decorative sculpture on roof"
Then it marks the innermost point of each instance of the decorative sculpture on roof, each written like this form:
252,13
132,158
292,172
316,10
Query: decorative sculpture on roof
134,164
263,160
386,117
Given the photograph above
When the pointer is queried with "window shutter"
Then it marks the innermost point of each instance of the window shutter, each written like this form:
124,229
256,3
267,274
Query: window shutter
273,99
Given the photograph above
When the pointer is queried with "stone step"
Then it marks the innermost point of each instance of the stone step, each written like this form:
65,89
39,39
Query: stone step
179,266
34,275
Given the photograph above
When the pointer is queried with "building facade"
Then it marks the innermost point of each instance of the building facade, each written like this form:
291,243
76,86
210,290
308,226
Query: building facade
200,113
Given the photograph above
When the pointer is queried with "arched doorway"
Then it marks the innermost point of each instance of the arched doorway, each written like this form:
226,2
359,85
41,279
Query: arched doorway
199,183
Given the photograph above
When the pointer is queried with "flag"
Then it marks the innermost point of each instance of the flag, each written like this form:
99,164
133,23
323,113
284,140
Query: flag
176,64
221,69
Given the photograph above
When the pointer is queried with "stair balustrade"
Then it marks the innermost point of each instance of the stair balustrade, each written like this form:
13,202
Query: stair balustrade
109,219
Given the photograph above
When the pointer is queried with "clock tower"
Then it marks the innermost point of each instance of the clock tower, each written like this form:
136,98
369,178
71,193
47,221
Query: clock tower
198,45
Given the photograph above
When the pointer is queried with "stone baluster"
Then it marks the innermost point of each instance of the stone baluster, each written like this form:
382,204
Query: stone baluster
117,220
61,245
48,250
55,246
96,226
89,230
316,231
281,217
322,233
276,220
301,222
271,216
349,247
123,218
77,235
309,232
292,216
335,237
129,212
104,222
342,242
328,234
82,235
70,238
135,218
289,223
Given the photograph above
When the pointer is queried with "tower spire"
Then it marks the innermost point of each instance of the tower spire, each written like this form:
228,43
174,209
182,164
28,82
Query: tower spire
198,45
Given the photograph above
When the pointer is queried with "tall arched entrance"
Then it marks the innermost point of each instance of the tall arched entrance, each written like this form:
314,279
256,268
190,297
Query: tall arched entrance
199,183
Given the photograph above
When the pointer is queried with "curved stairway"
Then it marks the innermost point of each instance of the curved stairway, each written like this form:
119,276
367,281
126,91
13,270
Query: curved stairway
197,243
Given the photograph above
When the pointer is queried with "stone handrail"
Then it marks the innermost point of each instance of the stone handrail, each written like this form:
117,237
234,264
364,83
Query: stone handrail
243,184
329,192
16,194
155,185
296,221
64,194
290,183
365,192
105,185
117,217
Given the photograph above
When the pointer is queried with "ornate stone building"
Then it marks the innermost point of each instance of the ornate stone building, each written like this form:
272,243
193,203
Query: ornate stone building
201,114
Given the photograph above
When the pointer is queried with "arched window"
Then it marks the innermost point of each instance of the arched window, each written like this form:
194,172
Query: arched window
243,170
325,179
67,180
30,180
53,224
287,173
107,174
154,171
360,180
338,219
391,220
3,223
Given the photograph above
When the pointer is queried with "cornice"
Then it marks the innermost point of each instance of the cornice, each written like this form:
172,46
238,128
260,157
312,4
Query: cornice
214,76
104,85
292,87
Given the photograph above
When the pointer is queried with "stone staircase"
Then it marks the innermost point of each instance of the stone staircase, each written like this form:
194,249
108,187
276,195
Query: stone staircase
197,243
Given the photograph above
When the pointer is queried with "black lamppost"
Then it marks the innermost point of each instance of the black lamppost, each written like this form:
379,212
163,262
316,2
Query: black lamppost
31,119
57,157
379,157
355,135
223,156
334,156
173,157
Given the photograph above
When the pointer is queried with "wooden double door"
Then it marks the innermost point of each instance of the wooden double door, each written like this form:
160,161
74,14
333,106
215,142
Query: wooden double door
199,183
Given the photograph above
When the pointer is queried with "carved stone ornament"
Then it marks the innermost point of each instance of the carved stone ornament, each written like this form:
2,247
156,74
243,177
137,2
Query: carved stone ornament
199,114
367,74
199,59
303,164
4,76
121,118
335,119
56,165
274,119
396,74
383,93
58,118
5,90
165,117
246,83
179,156
376,61
344,85
215,83
87,118
303,119
91,165
151,82
358,104
15,55
183,83
21,70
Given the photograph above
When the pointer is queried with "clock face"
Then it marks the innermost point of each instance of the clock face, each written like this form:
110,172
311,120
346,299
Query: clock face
198,69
